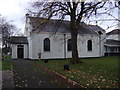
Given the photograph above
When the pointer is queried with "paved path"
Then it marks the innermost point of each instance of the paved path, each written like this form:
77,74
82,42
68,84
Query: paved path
7,79
28,75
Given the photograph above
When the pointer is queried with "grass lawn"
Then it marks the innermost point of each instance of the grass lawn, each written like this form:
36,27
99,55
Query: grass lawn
6,65
92,73
6,57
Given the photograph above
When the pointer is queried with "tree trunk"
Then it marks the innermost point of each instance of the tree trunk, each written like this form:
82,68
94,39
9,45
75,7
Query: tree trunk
74,32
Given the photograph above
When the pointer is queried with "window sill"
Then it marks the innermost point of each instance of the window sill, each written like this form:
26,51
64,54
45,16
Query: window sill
89,51
47,51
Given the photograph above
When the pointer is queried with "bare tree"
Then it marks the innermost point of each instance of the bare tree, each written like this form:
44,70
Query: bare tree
7,30
75,10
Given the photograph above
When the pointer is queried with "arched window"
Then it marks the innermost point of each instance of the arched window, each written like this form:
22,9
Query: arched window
69,45
89,44
46,44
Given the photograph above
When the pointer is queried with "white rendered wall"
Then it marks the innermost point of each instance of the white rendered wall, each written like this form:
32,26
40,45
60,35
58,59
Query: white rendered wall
57,46
82,46
14,50
83,49
30,48
28,28
103,39
25,51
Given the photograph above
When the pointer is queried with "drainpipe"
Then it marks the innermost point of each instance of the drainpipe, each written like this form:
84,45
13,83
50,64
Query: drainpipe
64,45
100,45
106,50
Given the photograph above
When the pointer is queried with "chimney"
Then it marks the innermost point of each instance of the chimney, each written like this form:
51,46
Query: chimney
27,15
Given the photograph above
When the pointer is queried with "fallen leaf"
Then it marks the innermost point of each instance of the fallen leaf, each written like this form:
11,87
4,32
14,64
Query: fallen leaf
103,80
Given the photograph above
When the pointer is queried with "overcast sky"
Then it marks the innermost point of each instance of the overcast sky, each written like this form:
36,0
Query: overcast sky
15,10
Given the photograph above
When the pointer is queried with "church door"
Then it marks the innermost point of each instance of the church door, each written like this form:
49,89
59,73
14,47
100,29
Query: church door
20,51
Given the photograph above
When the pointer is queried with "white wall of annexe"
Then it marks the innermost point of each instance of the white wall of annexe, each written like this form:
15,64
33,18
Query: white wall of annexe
58,46
14,50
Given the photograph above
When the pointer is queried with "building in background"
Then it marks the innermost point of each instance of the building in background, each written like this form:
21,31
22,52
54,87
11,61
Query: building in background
112,44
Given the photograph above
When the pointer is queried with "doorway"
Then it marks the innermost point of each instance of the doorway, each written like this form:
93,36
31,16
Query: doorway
20,51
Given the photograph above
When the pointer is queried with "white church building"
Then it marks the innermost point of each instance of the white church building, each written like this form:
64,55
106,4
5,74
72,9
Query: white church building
52,40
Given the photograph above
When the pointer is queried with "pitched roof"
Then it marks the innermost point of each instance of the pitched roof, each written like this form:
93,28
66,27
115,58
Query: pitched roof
97,28
112,42
115,31
18,40
61,26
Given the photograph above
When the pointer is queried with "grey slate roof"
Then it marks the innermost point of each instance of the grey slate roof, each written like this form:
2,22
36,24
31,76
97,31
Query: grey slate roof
96,28
116,31
112,42
18,40
61,26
